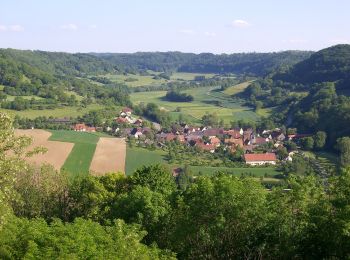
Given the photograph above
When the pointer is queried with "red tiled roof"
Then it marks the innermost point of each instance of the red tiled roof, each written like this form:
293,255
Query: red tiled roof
260,157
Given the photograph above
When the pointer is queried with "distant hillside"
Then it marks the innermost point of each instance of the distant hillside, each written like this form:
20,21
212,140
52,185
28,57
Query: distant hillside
58,63
252,63
331,64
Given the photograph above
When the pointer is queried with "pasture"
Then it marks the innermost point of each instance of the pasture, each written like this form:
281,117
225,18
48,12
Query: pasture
137,157
237,88
206,100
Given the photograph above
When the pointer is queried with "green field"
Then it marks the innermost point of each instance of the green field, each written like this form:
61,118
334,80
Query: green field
189,76
132,80
138,80
78,161
237,88
138,157
206,99
254,172
58,112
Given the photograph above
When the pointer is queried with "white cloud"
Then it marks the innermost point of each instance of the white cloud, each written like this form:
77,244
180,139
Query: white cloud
70,27
93,26
240,23
210,34
187,31
11,28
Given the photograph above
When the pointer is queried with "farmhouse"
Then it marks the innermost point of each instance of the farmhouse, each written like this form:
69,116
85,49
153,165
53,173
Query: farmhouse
83,128
260,159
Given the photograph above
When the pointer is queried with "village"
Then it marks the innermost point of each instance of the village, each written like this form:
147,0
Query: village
257,149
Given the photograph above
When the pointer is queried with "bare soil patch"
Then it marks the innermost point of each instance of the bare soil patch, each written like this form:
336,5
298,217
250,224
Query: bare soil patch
57,152
110,155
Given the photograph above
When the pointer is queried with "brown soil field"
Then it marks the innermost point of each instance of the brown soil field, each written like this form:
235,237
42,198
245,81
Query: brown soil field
57,152
110,155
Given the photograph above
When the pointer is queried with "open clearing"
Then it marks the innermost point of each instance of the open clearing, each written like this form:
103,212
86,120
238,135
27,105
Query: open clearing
206,99
237,88
57,152
109,156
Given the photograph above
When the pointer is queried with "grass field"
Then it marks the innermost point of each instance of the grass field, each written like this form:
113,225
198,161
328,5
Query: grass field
189,76
79,160
58,112
206,99
254,172
237,88
138,157
138,80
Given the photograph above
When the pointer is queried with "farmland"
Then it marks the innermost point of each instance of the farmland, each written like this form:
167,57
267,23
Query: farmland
136,80
254,172
57,152
83,151
138,157
206,100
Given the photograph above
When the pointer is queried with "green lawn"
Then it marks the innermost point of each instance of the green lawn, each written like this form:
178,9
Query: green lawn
58,112
138,157
253,172
206,99
78,161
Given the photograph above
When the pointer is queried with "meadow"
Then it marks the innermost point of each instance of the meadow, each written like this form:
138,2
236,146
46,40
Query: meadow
233,90
206,100
137,157
136,80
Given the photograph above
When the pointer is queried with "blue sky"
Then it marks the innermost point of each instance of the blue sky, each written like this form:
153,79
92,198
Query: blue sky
221,26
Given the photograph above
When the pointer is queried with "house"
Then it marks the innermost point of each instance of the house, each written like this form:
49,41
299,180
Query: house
233,141
83,128
260,159
206,147
80,127
136,132
181,138
122,120
126,111
138,122
215,141
212,132
260,140
234,133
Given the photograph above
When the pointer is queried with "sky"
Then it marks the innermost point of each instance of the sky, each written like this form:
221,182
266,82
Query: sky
217,26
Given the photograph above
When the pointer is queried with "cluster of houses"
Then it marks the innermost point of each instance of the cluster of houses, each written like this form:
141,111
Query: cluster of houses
206,139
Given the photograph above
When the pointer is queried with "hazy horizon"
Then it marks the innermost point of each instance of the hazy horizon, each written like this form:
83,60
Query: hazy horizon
186,26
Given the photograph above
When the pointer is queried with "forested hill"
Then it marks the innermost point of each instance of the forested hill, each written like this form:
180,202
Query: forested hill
57,63
327,65
251,63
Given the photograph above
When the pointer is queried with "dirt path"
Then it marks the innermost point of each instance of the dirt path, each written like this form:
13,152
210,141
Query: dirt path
57,152
110,155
